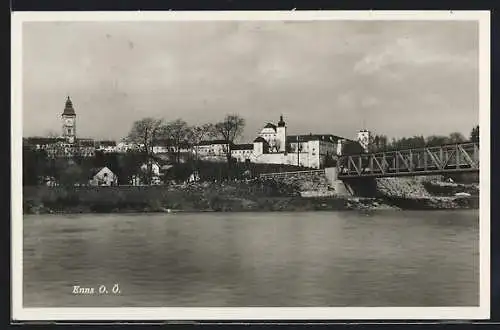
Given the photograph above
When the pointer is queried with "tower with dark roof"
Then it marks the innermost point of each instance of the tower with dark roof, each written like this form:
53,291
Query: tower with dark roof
281,123
281,135
69,121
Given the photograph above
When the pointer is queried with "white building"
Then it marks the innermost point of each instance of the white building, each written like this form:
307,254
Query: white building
365,139
155,168
242,152
310,150
212,150
125,146
273,146
164,146
103,176
106,146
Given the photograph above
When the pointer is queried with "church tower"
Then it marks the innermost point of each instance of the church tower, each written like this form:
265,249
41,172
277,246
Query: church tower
69,121
365,139
281,135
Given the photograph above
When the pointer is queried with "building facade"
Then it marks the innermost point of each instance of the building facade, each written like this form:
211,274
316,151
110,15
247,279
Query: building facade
365,139
273,146
215,150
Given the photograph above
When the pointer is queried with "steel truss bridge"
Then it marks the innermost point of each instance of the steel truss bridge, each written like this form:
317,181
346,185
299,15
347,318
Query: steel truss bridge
463,157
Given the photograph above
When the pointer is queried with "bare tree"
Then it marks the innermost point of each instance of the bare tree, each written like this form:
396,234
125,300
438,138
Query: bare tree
197,134
177,132
145,134
229,129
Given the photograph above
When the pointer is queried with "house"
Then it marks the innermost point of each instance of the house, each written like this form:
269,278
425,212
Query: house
242,152
157,171
106,146
49,181
163,146
314,148
103,176
212,150
125,146
155,168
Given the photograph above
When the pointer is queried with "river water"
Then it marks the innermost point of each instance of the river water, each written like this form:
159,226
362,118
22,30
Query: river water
384,258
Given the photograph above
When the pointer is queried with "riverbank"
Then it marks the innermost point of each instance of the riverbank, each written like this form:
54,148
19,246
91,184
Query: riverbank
274,204
250,196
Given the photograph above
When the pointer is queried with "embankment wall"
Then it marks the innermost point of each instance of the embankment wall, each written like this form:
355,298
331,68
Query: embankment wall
419,192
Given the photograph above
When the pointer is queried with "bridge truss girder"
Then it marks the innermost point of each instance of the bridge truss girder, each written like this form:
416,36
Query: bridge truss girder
462,157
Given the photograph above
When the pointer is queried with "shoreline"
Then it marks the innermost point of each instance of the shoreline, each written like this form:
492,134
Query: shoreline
278,204
251,196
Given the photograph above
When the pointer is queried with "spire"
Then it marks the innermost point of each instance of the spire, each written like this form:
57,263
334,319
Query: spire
68,108
281,123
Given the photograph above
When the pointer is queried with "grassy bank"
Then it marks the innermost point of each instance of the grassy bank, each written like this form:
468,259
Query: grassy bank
259,195
232,197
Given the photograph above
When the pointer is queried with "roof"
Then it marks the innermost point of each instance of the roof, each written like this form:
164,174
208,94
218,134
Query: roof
207,143
44,140
260,139
314,137
107,143
93,171
68,108
244,146
269,125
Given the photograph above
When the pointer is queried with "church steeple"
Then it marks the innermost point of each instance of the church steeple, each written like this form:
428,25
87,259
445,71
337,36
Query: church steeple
68,108
69,121
281,123
281,135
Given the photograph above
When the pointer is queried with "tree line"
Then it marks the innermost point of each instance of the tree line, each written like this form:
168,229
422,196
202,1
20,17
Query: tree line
145,134
148,133
382,143
37,166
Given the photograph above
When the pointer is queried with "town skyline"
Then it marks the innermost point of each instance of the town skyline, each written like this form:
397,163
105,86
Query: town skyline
388,77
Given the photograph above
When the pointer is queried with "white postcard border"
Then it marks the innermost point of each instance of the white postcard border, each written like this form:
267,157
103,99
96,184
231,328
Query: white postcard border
19,313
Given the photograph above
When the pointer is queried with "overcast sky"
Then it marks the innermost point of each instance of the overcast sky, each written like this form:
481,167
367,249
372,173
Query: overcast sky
400,78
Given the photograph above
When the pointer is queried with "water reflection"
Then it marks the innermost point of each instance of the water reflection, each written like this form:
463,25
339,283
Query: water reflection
384,258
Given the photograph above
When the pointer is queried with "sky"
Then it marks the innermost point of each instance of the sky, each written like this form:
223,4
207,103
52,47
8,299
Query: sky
398,78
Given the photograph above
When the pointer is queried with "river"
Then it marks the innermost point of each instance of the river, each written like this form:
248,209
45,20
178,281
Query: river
382,258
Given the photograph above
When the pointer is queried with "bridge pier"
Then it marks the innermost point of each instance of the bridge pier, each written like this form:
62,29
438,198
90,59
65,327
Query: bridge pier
361,187
331,174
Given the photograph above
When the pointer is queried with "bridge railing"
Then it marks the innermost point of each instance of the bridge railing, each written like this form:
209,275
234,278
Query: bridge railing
417,161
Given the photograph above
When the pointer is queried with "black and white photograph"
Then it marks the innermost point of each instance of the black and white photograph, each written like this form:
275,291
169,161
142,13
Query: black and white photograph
250,165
